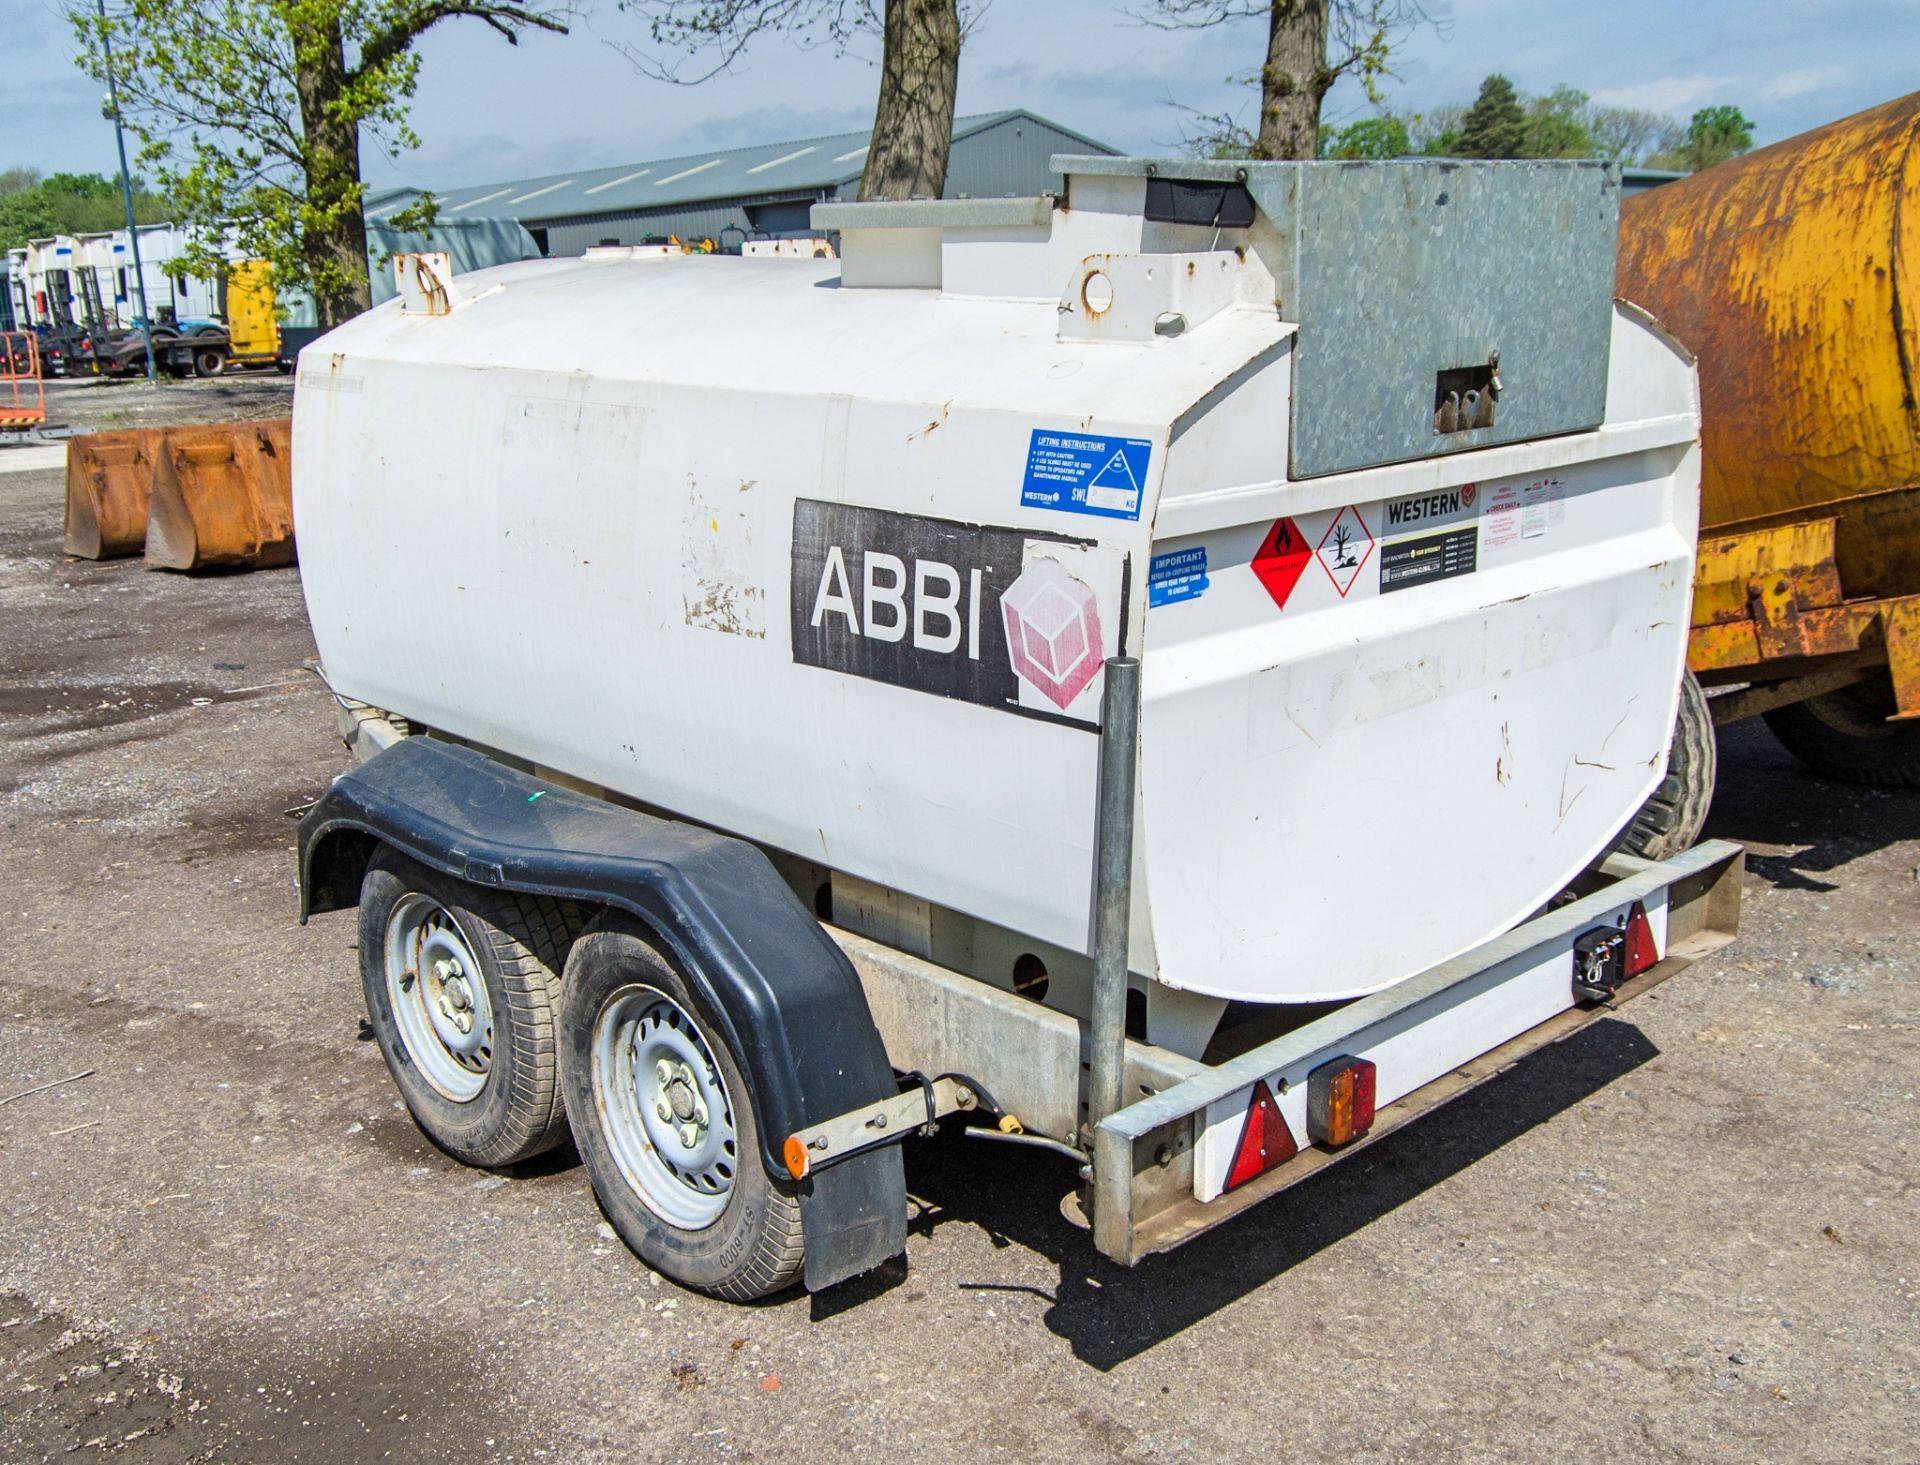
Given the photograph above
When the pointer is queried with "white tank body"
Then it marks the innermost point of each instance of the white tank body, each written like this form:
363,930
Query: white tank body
830,562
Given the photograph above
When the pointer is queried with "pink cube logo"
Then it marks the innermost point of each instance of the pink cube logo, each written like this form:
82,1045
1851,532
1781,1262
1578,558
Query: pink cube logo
1053,631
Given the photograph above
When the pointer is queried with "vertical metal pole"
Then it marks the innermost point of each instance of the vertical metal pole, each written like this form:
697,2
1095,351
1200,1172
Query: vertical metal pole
1113,885
126,189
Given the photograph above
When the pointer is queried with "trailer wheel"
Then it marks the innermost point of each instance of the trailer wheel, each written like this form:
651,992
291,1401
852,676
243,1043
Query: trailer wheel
1675,812
209,361
461,985
666,1125
1846,735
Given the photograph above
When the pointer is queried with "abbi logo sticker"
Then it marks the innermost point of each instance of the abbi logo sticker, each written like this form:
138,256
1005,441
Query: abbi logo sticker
1053,630
912,601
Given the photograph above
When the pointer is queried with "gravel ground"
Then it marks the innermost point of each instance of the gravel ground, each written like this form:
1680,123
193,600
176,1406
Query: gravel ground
1689,1232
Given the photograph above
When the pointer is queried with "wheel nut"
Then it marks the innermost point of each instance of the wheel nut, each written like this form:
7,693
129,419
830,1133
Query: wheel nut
663,1111
689,1135
663,1073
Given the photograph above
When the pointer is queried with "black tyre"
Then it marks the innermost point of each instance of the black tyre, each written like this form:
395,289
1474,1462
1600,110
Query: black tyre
1675,812
209,361
1846,735
461,985
666,1125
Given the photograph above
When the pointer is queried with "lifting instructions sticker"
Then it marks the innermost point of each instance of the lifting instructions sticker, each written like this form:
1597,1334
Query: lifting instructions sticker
1079,474
1179,575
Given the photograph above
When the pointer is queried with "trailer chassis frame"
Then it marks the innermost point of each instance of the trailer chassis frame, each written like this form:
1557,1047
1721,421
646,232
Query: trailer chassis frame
1140,1115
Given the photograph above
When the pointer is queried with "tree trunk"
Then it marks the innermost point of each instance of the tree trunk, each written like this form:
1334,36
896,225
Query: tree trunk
334,231
913,123
1293,80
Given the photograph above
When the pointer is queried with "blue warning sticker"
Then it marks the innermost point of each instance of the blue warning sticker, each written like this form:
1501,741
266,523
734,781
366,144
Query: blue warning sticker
1086,475
1179,575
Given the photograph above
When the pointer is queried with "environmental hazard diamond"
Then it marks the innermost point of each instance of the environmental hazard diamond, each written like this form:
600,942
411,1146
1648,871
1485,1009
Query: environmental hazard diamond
1345,548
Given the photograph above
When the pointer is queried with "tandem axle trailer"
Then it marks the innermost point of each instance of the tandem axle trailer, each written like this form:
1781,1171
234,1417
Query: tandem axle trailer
832,1047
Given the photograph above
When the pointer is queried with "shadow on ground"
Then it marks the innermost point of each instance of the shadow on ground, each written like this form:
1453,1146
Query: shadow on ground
1799,827
1110,1314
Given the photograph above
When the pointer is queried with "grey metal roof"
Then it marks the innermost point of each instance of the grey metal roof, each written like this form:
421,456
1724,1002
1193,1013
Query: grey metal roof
798,165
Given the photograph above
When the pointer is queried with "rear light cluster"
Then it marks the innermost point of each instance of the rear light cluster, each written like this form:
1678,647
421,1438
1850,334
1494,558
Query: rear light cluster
1608,957
1340,1094
1265,1140
1340,1101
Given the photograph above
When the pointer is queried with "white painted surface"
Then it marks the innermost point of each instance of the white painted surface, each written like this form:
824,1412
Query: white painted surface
605,459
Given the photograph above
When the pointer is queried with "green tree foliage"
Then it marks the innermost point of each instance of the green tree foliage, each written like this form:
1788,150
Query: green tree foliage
1557,125
1567,123
252,114
1714,135
1377,137
32,207
1495,126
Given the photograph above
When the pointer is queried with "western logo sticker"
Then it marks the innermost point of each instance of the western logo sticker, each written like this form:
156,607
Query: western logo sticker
1004,618
1422,511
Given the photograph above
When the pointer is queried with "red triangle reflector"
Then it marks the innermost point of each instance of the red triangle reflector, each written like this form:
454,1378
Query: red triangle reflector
1641,953
1265,1142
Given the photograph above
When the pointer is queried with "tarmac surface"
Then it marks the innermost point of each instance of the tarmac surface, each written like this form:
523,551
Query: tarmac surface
1688,1233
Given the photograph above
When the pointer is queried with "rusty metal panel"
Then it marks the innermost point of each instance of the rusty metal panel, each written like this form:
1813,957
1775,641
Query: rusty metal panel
223,495
1794,275
1768,605
1901,622
109,483
1793,563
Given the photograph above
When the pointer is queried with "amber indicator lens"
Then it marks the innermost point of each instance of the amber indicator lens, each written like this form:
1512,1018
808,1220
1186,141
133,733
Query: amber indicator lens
1340,1101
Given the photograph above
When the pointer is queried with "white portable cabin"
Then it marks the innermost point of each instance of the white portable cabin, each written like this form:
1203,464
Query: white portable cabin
1396,506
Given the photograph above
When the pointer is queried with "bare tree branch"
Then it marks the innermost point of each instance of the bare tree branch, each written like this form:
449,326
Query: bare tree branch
508,17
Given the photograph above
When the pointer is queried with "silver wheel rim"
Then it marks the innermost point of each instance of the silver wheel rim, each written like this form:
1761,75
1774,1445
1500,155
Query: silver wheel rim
439,998
664,1107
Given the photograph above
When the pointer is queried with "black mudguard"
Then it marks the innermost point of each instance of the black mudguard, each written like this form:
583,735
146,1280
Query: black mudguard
786,998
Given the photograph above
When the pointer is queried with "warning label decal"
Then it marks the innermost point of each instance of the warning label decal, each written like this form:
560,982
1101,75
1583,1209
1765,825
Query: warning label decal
1080,474
1282,555
1345,548
1180,574
1524,510
1405,563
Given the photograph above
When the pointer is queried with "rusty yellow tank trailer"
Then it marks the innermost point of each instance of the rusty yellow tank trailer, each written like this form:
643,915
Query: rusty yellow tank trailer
1794,275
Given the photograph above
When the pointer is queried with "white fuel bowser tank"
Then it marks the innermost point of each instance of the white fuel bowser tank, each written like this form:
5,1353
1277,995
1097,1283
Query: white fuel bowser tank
1395,504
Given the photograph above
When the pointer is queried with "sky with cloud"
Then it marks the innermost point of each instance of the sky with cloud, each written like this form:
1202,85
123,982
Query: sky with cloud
486,110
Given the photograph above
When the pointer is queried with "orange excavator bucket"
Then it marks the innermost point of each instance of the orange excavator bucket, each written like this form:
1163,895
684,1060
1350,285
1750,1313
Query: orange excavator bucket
109,481
223,495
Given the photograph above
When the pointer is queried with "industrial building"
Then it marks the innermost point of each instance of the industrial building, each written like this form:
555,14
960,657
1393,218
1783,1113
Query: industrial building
763,191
